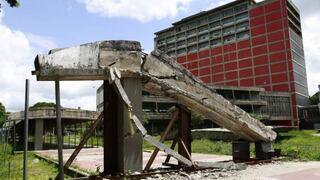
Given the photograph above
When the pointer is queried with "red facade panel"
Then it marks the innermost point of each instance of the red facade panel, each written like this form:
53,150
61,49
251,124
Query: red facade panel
217,69
279,56
279,78
231,75
281,87
279,67
206,79
272,6
273,16
243,44
262,80
192,56
195,72
244,54
203,54
259,50
218,78
230,66
259,60
256,11
262,70
216,51
246,82
276,46
204,62
229,47
276,36
274,26
245,63
245,73
232,83
257,21
193,65
182,59
259,40
205,71
258,30
217,60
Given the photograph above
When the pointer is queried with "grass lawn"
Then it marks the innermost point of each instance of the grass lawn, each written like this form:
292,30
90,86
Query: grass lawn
300,145
37,169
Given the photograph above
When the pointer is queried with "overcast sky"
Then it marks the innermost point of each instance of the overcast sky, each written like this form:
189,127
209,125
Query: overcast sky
40,25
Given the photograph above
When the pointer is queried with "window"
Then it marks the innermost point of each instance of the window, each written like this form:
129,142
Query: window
216,42
203,37
228,30
227,21
192,48
243,35
240,8
181,51
192,32
203,21
192,25
242,26
228,39
181,43
171,46
242,16
215,25
204,45
192,40
170,39
214,17
203,28
216,33
180,36
228,12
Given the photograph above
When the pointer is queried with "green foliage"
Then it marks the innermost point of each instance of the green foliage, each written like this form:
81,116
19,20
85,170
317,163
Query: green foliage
314,99
3,114
44,104
302,145
13,3
37,169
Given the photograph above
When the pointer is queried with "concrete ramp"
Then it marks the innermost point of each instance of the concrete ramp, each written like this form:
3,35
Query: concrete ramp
160,75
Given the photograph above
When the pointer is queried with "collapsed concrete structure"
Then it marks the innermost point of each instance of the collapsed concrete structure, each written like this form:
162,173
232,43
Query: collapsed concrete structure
158,74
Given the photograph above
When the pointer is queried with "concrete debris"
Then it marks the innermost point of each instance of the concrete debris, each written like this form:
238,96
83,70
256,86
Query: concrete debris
161,75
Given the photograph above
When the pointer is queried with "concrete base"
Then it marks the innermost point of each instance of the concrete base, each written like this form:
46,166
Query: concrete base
264,150
240,151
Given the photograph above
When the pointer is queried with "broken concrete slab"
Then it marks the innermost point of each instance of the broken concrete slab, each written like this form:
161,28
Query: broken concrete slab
160,75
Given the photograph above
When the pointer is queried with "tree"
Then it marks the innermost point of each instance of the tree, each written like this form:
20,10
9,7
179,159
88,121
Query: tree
314,99
3,114
44,104
13,3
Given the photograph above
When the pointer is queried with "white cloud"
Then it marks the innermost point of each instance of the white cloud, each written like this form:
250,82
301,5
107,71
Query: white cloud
17,53
141,10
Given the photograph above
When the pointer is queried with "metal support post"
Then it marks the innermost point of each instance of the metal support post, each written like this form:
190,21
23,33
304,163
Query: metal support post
26,126
59,133
184,132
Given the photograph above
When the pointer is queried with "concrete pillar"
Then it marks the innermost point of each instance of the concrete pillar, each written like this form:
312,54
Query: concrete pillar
123,152
38,134
264,150
240,151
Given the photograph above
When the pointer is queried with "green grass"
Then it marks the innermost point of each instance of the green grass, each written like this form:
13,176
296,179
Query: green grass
301,145
37,169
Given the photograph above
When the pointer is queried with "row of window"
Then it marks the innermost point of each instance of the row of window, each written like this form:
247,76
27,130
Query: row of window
215,42
277,106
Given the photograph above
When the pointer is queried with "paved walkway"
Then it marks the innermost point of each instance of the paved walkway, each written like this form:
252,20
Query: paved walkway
91,159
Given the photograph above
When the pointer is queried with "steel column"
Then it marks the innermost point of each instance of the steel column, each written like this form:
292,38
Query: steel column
59,133
26,126
184,132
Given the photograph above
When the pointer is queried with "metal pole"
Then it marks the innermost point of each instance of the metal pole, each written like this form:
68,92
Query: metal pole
26,133
59,133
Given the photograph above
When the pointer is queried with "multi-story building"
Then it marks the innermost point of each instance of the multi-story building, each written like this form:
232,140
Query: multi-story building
244,43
